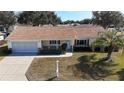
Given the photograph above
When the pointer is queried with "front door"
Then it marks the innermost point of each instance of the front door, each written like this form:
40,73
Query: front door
69,46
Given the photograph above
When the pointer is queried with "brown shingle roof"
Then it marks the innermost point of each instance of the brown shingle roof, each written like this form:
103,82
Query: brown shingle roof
87,31
54,33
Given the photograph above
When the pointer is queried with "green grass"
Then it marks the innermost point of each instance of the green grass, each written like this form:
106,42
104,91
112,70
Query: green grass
81,66
3,51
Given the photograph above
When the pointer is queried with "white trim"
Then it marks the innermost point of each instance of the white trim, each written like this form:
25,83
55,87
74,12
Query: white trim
22,40
85,38
37,39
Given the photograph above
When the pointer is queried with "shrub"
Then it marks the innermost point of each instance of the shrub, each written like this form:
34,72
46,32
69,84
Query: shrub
63,48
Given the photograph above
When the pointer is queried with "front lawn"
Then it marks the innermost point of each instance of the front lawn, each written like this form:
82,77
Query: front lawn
3,51
81,66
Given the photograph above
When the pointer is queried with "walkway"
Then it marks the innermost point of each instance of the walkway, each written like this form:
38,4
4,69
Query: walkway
42,56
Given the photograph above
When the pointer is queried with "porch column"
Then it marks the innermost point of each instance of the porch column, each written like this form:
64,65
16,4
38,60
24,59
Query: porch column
9,44
39,46
72,44
87,43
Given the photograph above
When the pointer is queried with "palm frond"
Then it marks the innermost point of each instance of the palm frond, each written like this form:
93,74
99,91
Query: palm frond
113,38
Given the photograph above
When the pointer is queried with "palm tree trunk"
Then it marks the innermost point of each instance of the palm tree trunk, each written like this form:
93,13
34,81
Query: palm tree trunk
109,55
123,51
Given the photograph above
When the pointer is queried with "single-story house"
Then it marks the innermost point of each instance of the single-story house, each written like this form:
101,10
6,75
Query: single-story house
27,39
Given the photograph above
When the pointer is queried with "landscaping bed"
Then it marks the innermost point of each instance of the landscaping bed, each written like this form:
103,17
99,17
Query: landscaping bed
81,66
3,51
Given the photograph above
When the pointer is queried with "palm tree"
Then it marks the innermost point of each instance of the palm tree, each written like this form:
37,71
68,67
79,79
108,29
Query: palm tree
110,38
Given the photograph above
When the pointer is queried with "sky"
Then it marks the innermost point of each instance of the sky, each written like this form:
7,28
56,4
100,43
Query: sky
74,15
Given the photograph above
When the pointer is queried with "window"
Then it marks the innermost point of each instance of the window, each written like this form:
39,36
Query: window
1,28
58,42
81,42
55,42
52,42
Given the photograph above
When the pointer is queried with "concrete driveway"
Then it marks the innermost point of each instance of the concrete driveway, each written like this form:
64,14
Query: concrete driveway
13,68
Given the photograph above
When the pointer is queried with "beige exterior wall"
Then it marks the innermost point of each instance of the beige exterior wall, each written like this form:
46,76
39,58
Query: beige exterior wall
91,41
45,43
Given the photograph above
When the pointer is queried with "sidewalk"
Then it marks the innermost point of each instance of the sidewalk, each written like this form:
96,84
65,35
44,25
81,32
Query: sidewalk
41,56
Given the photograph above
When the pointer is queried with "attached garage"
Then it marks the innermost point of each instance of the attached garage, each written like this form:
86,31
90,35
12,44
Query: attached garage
24,47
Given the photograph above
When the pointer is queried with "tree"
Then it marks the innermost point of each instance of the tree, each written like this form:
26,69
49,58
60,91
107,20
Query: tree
69,22
7,18
85,21
112,39
63,48
107,19
26,17
38,18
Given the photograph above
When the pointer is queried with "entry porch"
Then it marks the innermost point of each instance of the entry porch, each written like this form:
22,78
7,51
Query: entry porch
55,46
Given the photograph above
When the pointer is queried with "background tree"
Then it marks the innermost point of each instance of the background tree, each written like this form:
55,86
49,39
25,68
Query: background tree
107,19
84,21
7,18
69,22
38,18
26,17
111,39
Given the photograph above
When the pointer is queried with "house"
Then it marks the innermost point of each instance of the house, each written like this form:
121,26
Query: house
2,29
2,38
2,32
32,39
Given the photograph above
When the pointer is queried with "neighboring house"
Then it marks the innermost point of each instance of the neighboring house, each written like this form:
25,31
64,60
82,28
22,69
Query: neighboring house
2,38
26,39
2,32
2,29
7,31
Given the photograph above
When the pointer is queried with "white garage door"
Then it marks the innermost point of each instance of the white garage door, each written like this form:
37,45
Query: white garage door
26,47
